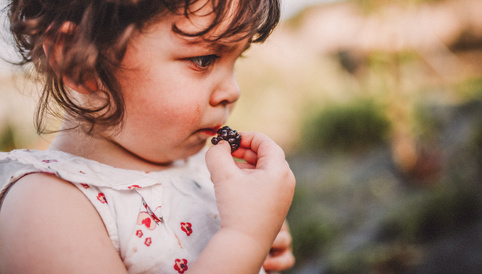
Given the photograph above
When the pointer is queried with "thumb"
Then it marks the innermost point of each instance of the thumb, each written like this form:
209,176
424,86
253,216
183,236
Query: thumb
219,161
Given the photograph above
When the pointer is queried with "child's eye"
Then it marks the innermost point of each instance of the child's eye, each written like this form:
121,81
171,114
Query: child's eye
202,62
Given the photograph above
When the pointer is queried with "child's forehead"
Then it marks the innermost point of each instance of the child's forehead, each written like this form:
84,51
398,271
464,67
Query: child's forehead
204,19
213,39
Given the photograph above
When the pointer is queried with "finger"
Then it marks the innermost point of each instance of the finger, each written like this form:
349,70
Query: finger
219,161
282,241
268,153
244,165
246,154
283,261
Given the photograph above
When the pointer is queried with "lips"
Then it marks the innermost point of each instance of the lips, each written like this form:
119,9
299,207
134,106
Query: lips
210,131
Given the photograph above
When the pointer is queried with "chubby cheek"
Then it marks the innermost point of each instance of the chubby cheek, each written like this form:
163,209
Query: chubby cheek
193,116
162,134
181,114
168,112
173,119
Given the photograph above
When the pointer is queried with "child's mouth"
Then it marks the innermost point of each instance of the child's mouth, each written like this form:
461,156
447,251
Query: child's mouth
210,131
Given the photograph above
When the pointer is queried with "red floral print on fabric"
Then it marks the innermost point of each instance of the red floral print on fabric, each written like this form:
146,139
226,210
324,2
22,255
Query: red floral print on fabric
49,161
148,241
133,186
147,222
153,215
101,198
180,265
145,219
86,186
139,233
186,227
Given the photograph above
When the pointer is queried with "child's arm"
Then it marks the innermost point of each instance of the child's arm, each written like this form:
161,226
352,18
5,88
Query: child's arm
53,229
253,199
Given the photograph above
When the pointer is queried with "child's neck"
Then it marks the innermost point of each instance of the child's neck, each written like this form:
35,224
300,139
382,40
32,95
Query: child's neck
101,149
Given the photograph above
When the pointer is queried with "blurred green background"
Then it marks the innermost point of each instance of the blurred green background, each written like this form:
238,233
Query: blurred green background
378,105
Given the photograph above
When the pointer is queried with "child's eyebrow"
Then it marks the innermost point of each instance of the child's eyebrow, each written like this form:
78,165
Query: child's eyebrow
217,46
226,48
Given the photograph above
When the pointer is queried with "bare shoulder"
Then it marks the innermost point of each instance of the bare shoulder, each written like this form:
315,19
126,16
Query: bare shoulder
48,226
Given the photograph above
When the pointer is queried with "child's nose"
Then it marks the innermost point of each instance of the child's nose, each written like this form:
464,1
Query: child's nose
227,92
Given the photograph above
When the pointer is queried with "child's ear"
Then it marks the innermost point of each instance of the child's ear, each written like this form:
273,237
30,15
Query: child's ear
53,49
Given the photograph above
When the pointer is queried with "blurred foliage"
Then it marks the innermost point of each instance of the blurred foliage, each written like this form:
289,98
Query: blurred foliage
312,236
356,125
7,138
356,213
429,214
312,228
476,144
382,258
470,89
374,5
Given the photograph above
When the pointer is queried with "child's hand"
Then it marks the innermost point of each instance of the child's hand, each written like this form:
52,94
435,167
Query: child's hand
281,256
254,196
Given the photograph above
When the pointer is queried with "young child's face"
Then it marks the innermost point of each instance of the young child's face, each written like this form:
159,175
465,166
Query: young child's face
178,91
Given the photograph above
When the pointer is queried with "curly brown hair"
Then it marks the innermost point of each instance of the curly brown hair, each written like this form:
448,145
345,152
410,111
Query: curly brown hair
96,47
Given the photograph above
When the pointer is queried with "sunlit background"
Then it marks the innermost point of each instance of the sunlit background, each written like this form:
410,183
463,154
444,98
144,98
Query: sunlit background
378,105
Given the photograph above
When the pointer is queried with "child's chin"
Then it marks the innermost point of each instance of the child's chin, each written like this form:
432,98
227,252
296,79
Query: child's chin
191,151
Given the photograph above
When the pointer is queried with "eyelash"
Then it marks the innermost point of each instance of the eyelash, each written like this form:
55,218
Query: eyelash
203,62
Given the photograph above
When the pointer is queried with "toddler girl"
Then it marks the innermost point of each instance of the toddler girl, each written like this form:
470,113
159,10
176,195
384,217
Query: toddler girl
126,185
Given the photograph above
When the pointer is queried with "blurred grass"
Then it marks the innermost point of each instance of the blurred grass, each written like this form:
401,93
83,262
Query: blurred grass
17,112
7,138
352,126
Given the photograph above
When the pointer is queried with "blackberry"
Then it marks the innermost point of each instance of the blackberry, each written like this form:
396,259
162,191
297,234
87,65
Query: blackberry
227,134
